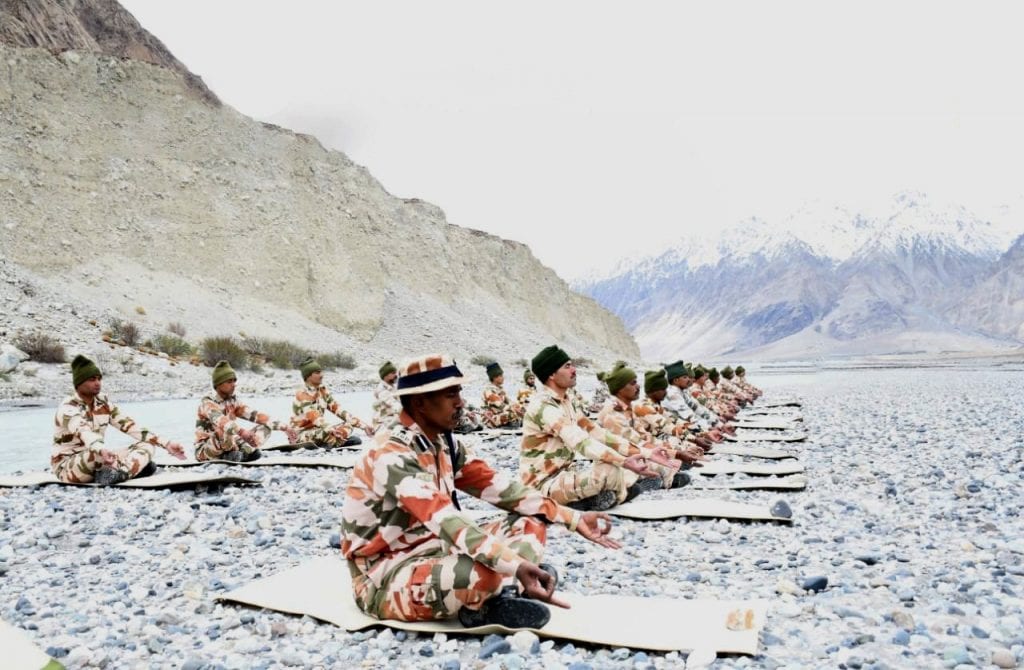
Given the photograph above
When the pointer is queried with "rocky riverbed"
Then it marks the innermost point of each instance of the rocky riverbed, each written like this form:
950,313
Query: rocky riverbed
909,540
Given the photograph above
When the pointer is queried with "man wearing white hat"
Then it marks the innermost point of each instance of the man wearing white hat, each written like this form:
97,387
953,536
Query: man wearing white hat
413,553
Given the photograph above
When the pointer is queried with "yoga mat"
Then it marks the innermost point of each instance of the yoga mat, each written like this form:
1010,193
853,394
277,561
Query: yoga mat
321,588
707,508
711,468
763,425
752,452
160,480
346,460
20,653
793,483
765,436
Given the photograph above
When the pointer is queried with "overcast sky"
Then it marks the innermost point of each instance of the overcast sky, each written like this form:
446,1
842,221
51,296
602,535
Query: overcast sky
594,130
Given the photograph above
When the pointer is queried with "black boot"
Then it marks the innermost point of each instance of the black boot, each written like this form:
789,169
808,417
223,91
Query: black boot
233,456
507,609
253,455
602,501
643,486
680,479
352,441
147,471
105,476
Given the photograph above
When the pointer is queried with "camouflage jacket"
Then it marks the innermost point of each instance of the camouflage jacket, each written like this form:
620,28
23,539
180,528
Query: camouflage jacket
216,418
312,403
599,398
386,406
400,503
650,418
555,431
496,400
525,395
77,427
679,403
616,417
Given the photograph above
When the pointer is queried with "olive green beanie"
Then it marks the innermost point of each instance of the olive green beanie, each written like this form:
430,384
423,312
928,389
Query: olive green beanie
677,369
655,380
618,377
713,374
740,370
308,367
727,372
387,369
494,370
526,376
222,372
699,371
547,361
83,369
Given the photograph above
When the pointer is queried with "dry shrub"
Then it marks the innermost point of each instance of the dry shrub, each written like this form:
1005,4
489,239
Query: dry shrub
41,347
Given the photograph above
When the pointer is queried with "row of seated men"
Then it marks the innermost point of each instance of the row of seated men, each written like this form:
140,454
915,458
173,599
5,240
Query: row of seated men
412,552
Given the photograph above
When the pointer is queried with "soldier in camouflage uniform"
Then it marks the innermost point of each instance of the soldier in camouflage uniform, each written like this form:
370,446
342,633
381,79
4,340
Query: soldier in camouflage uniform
616,416
679,403
600,391
526,393
727,385
413,554
385,403
498,410
218,435
309,409
566,455
741,381
651,419
79,454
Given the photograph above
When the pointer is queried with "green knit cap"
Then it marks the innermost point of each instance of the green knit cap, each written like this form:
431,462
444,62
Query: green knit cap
222,372
740,370
699,371
727,372
677,369
387,369
618,377
494,370
713,374
308,367
526,376
655,380
83,369
545,363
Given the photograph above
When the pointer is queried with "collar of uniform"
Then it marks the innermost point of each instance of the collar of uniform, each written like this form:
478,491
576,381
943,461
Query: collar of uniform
100,399
314,389
547,392
619,405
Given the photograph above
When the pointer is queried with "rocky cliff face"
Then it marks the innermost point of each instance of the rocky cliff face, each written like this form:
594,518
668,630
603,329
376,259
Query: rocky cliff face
127,190
96,26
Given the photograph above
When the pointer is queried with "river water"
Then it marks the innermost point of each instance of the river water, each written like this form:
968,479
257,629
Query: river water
28,433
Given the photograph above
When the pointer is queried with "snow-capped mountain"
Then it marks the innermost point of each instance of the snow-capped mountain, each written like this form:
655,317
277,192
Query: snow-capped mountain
838,275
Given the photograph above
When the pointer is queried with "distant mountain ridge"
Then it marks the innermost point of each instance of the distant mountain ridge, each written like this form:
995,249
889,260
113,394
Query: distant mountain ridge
838,282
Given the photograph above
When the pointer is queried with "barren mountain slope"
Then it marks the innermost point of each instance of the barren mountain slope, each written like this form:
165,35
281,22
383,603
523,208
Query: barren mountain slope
119,182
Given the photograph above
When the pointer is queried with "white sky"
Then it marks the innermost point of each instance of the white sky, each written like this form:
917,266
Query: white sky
595,130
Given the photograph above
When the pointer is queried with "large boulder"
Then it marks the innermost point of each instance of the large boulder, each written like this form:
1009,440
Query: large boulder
10,357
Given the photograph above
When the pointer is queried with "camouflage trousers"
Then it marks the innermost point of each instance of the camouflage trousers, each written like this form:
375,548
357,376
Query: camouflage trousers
436,585
585,478
327,435
213,448
78,468
493,419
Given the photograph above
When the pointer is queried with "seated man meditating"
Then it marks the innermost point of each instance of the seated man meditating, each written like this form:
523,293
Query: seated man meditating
498,410
310,407
79,453
414,555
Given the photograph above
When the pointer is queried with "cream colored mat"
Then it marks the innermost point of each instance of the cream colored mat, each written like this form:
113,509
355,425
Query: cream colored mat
751,424
766,436
346,460
791,483
752,452
161,480
711,468
321,588
20,653
707,508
